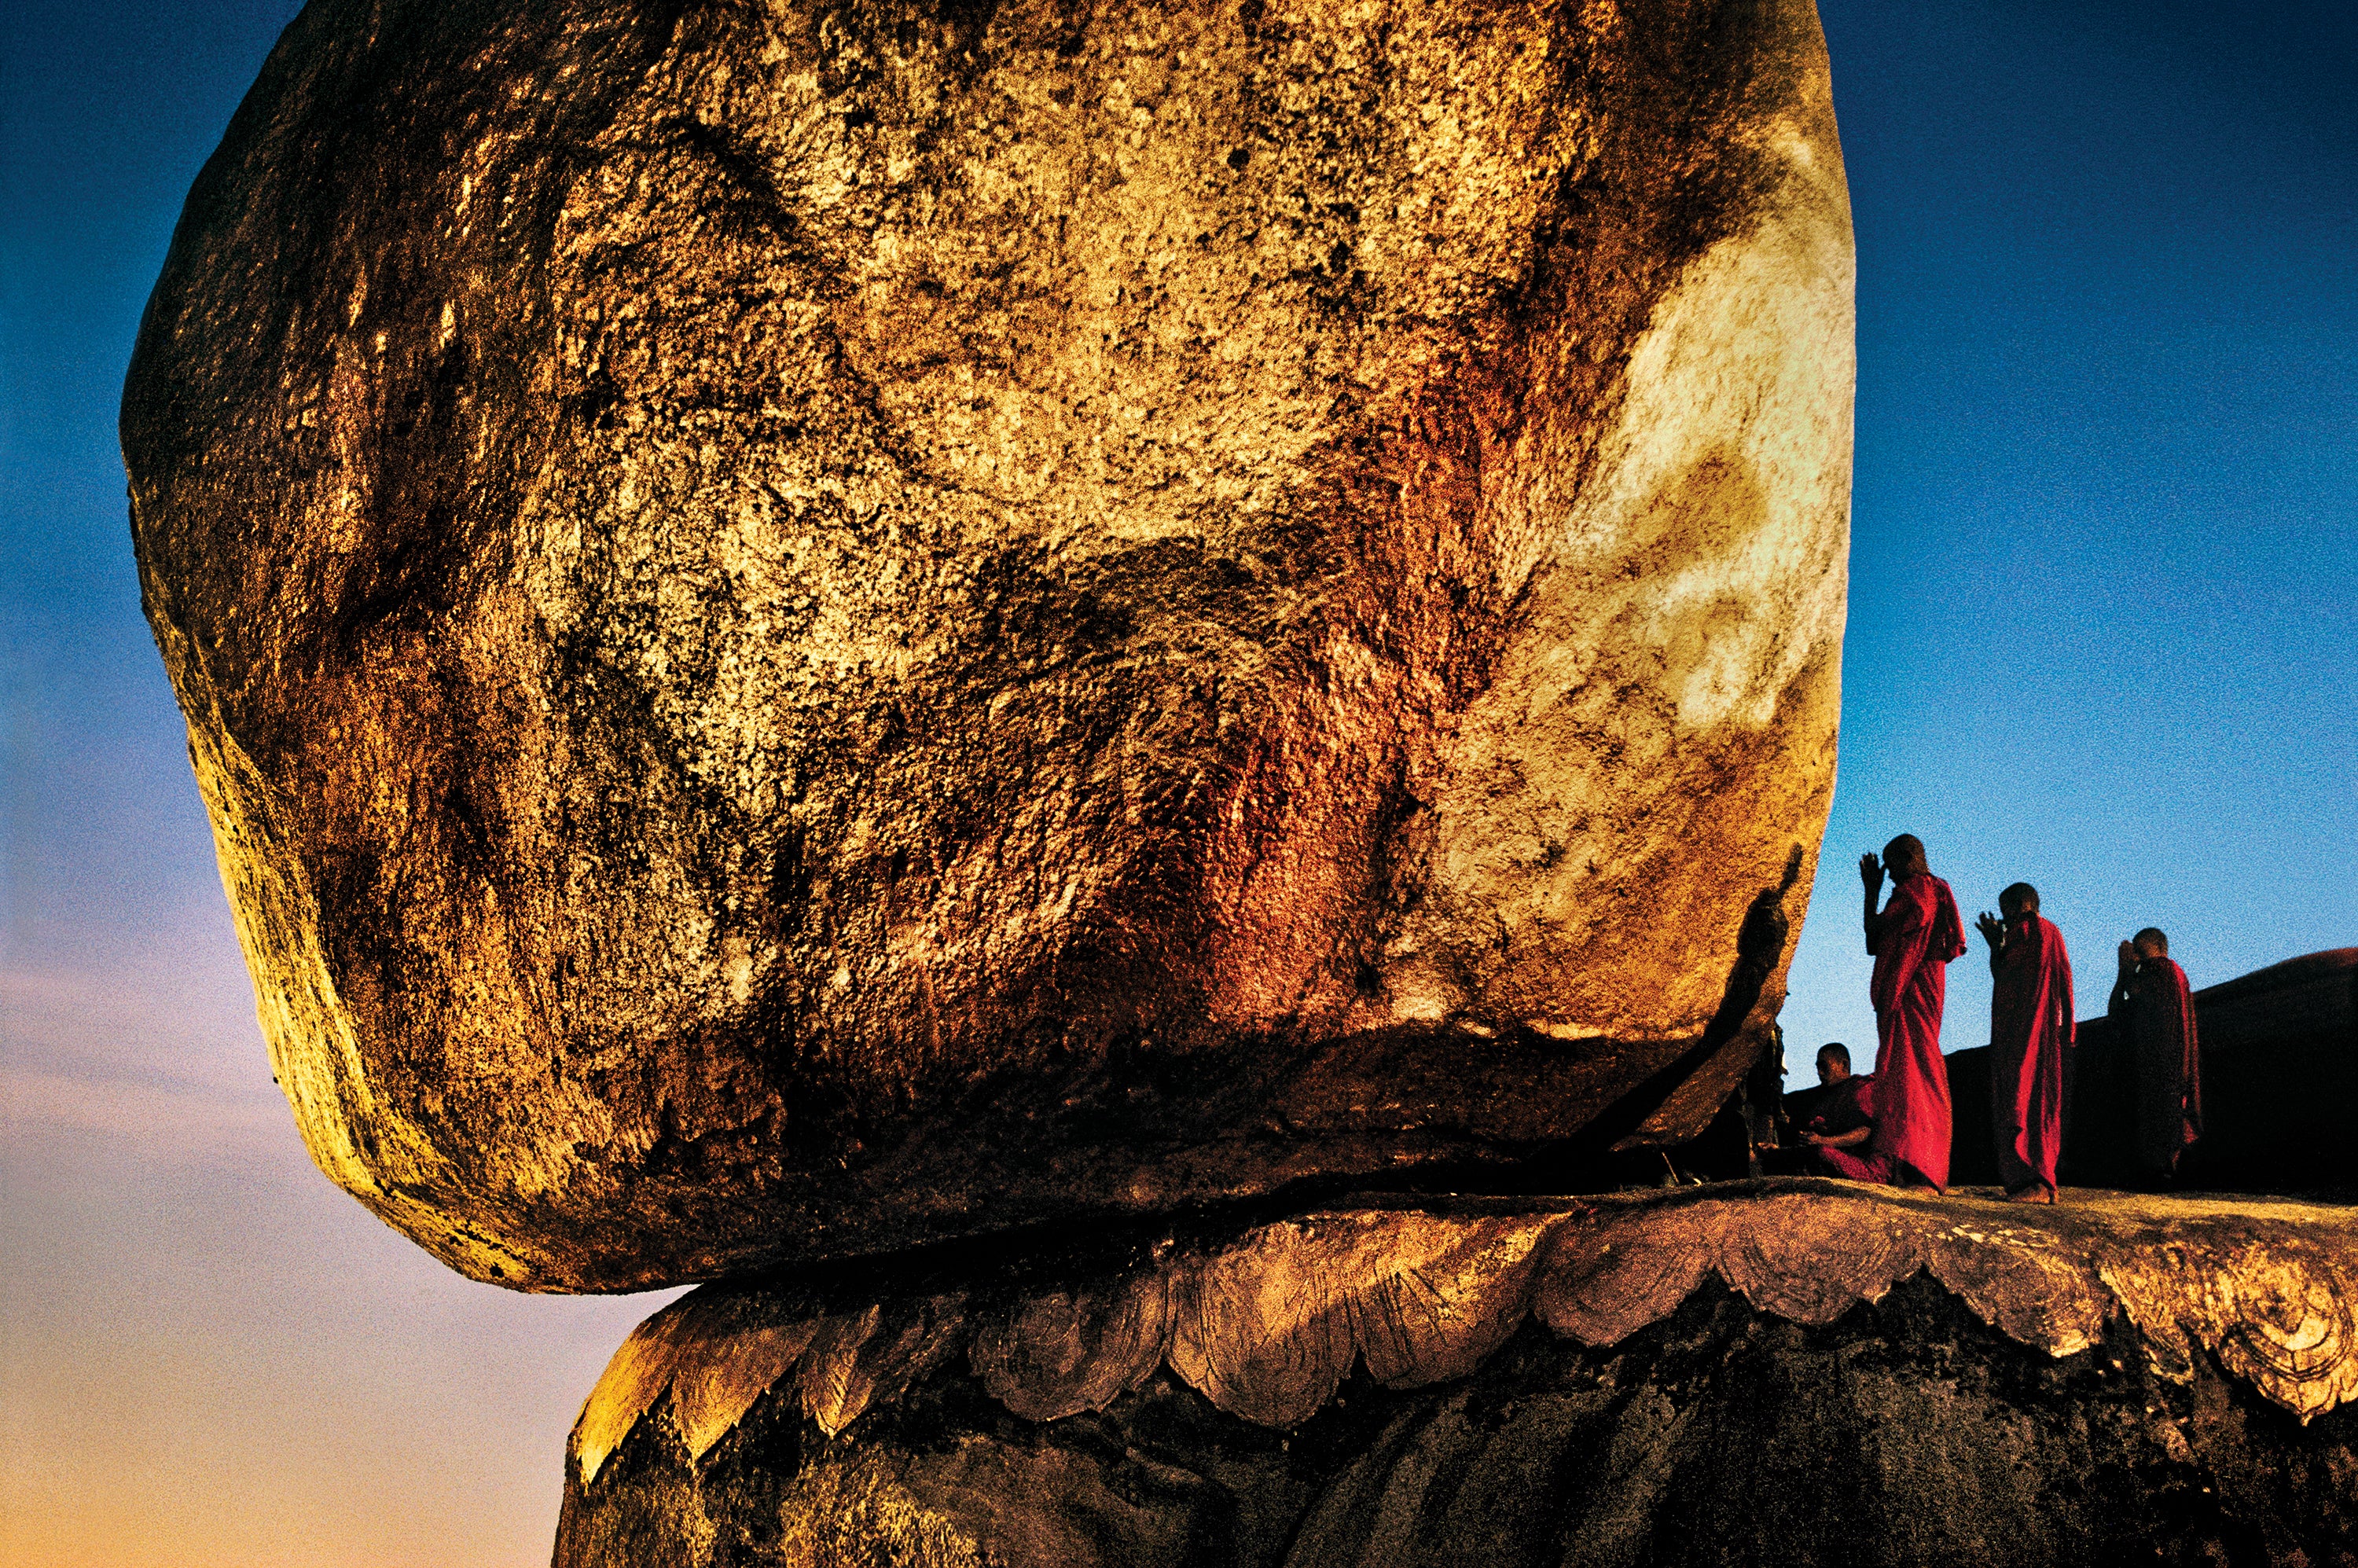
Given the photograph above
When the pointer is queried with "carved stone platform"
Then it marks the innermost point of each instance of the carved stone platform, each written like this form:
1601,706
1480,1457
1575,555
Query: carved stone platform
1784,1371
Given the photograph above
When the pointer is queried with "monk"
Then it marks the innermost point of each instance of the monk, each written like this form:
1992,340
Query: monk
2031,1027
1844,1121
2154,1011
1913,941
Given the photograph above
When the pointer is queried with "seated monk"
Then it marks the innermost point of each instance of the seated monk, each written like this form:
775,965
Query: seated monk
2154,1011
1838,1133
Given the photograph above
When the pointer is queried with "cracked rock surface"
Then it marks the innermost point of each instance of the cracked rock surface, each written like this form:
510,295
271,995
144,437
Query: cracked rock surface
812,628
1786,1371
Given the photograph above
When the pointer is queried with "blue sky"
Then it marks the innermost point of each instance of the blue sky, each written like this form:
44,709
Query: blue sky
2105,542
2104,521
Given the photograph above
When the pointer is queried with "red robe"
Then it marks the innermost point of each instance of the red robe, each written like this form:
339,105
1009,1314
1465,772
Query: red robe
2030,1025
1849,1108
2155,1011
1915,937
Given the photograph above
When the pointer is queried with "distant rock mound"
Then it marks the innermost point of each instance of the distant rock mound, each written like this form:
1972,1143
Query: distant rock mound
2279,1088
810,629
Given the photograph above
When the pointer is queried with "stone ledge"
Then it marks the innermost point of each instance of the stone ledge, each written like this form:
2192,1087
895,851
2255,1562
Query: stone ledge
1422,1290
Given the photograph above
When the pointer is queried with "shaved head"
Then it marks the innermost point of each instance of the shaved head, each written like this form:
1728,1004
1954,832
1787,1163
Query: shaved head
1906,854
2152,940
2020,899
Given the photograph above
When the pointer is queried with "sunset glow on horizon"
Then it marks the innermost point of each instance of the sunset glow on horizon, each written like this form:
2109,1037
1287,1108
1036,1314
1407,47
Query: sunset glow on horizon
2104,543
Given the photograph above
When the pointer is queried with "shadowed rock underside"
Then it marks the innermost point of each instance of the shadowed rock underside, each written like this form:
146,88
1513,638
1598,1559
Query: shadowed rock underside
810,629
1796,1371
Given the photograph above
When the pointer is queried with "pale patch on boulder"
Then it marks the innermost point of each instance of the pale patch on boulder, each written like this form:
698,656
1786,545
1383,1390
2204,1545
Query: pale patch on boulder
811,630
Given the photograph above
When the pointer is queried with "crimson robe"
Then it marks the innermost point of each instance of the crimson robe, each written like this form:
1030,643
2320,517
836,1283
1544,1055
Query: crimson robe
2030,1025
2155,1011
1850,1106
1913,941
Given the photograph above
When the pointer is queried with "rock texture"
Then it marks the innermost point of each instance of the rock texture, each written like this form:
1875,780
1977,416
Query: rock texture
811,627
1791,1371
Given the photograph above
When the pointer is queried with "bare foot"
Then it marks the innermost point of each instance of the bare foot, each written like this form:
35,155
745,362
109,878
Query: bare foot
2031,1195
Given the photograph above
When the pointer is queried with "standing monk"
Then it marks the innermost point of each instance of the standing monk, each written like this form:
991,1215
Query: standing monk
2030,1025
2152,1009
1913,940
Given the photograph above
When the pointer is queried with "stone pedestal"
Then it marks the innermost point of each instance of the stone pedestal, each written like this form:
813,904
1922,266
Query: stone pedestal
1784,1371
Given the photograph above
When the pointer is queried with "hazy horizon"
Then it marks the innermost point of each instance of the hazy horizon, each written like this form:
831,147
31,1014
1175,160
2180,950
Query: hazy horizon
2098,639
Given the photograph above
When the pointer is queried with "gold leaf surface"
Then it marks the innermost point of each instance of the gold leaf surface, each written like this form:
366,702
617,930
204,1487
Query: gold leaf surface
1268,1325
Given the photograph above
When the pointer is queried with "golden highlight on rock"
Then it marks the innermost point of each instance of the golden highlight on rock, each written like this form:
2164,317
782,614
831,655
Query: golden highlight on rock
1269,1327
809,629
